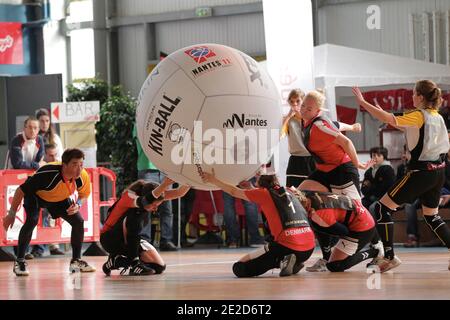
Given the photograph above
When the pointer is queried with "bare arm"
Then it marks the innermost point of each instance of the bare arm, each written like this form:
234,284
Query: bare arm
349,148
228,188
176,193
377,112
8,221
356,127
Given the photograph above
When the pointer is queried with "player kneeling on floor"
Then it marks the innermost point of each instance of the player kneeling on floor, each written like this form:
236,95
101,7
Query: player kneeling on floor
338,215
120,235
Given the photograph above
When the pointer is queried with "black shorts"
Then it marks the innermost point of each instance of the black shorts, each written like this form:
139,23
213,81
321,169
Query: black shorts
341,177
113,241
424,185
299,168
32,203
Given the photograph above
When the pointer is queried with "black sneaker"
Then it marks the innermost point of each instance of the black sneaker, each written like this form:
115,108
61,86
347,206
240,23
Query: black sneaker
297,267
167,246
140,269
115,263
20,268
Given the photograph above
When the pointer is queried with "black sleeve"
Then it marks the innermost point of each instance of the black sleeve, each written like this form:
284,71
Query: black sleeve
336,123
387,180
367,190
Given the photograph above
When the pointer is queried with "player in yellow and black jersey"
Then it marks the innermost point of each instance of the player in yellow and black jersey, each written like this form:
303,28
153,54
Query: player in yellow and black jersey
427,141
61,188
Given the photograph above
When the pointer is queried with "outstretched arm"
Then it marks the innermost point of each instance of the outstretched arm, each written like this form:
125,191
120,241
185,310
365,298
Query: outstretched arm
377,112
228,188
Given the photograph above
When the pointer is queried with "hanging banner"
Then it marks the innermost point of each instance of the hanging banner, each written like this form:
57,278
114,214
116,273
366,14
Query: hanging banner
11,46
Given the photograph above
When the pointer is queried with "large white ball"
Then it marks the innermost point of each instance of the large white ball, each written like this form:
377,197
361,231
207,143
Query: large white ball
227,93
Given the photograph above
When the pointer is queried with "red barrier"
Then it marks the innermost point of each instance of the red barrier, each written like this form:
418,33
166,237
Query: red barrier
10,180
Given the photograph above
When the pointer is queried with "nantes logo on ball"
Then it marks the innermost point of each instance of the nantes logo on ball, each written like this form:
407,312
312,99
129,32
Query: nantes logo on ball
202,54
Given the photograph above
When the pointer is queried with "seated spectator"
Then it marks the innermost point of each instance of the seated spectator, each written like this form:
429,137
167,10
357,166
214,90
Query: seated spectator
377,179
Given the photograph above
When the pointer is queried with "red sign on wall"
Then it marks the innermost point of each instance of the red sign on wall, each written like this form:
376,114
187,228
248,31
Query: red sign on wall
11,46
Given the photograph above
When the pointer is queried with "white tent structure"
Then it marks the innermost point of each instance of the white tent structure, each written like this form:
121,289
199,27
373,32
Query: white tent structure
338,66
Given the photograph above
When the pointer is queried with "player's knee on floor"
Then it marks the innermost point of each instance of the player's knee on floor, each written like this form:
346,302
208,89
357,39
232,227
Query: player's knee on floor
240,270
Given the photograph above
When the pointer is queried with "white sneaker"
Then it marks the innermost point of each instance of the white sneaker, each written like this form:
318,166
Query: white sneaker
78,265
20,268
287,265
382,265
319,266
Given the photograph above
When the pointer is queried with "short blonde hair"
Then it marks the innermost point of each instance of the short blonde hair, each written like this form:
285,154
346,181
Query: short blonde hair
318,96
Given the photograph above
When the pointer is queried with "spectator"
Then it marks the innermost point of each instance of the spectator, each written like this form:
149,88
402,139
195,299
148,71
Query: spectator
377,179
27,147
47,132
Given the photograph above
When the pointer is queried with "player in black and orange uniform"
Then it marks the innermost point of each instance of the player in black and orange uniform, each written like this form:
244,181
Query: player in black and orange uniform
428,143
61,188
346,218
120,235
293,240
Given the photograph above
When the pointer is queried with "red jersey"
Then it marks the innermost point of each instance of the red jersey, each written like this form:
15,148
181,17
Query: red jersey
127,200
299,239
321,143
360,219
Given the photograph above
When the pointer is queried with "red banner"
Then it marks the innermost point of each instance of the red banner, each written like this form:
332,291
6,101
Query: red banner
346,114
390,100
11,46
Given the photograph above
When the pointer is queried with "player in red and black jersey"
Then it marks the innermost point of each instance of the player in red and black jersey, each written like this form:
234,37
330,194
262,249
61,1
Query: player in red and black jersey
120,235
347,219
293,240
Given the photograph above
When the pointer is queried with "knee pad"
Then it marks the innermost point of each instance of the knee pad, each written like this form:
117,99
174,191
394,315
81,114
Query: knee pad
335,266
382,213
239,269
157,267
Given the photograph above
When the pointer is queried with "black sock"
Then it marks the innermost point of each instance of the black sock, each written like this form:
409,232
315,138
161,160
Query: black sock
325,243
385,228
440,228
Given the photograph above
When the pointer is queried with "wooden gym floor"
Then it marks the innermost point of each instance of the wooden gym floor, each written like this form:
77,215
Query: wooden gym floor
205,274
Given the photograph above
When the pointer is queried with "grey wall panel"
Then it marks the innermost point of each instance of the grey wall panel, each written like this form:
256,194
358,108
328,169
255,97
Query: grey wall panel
132,58
243,32
345,24
141,7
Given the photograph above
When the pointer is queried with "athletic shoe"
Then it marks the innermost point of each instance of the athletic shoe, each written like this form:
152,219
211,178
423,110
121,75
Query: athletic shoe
287,265
115,263
20,268
140,269
78,265
297,267
382,265
319,266
29,256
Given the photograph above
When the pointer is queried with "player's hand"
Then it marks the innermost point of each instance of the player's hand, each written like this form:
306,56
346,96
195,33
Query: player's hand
167,181
73,209
8,221
356,127
367,165
208,177
358,94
